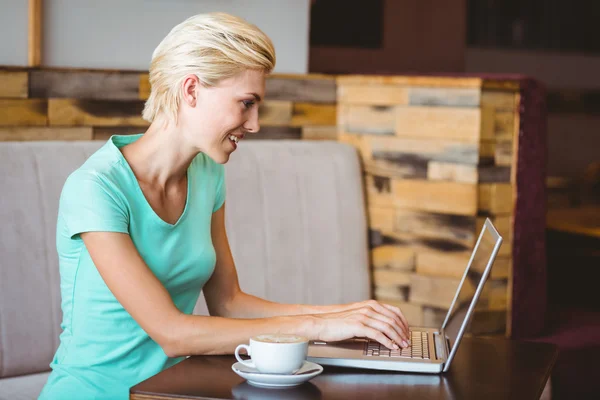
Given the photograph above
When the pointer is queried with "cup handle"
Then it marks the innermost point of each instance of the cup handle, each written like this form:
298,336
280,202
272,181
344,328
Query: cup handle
237,355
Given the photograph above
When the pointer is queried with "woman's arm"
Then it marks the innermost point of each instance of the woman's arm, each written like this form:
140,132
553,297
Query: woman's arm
222,292
149,303
146,299
225,298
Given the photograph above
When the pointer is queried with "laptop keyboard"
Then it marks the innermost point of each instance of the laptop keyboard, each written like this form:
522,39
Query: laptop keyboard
419,348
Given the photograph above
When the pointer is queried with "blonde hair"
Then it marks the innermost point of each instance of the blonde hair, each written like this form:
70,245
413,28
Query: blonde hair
213,46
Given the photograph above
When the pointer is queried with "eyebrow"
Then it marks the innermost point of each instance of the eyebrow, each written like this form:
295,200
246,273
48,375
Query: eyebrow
256,96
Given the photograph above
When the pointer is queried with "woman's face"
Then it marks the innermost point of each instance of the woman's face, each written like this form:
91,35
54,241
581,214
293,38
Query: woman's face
214,118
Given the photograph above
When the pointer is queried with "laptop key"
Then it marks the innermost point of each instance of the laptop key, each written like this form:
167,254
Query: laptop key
418,350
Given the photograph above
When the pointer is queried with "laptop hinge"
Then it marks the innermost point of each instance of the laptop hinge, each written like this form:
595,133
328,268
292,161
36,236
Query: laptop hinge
440,349
442,345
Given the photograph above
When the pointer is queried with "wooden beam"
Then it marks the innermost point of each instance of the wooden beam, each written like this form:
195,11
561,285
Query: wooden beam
453,123
426,225
313,114
433,81
448,265
37,133
325,132
74,112
444,150
14,84
390,277
399,258
397,166
394,293
34,53
445,97
275,113
302,88
499,99
443,171
379,191
373,95
441,197
496,198
23,112
503,153
373,120
381,218
76,84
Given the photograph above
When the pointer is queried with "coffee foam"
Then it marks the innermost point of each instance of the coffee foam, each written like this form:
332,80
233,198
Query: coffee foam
280,339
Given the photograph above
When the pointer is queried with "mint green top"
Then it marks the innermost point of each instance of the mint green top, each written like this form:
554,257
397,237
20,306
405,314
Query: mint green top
103,351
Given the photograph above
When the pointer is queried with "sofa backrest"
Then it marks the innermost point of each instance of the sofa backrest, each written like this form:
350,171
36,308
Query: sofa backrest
295,218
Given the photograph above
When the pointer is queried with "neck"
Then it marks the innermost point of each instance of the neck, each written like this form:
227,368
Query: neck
161,156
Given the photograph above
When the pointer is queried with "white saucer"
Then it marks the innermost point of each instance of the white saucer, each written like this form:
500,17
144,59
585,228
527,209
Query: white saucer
259,379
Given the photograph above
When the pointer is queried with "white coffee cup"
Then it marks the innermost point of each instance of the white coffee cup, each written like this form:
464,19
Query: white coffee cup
275,353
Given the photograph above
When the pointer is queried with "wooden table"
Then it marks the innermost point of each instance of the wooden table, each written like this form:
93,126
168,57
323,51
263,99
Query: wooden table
583,221
483,369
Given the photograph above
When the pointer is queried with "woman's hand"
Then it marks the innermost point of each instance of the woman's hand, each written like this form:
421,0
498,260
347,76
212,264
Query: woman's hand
370,319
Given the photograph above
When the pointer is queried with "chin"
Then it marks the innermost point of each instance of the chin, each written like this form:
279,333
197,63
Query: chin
220,157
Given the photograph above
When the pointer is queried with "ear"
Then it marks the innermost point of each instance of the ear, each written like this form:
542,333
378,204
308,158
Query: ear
190,88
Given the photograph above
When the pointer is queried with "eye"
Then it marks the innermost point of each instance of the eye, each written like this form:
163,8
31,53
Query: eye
248,103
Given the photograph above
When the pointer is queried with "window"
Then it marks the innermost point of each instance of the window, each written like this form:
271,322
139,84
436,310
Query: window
549,25
347,23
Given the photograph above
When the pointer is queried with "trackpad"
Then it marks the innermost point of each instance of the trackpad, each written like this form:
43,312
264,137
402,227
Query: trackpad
352,348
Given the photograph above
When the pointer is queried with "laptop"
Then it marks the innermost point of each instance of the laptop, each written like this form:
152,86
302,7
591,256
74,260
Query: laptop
431,349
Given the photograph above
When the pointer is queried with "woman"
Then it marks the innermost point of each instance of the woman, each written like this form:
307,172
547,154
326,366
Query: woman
141,228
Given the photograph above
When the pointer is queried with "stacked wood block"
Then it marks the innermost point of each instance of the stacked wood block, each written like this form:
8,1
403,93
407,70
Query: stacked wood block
58,104
437,156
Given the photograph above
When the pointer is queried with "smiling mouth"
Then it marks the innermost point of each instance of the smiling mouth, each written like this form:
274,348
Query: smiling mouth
234,139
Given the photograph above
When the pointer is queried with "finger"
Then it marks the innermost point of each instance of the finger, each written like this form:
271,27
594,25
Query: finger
398,317
387,330
379,337
388,310
399,313
391,322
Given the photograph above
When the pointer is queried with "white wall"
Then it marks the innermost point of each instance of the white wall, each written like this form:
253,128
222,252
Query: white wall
117,34
13,32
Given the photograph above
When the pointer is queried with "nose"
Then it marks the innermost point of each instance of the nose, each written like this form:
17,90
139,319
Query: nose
252,125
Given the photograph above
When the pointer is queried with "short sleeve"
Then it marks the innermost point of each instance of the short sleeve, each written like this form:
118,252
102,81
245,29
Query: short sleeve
88,204
220,193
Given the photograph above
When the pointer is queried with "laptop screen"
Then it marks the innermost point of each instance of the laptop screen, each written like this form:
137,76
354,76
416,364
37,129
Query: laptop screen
480,259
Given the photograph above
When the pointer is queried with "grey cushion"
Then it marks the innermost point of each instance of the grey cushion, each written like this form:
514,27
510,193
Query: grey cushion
295,218
296,222
24,387
31,181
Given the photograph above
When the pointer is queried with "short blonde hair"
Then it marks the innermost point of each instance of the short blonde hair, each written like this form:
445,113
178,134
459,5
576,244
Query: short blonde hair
213,46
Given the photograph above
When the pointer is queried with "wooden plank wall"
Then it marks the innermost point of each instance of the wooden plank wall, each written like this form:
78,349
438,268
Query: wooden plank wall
437,156
53,104
438,159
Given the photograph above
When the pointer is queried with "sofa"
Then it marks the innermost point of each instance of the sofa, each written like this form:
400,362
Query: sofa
295,217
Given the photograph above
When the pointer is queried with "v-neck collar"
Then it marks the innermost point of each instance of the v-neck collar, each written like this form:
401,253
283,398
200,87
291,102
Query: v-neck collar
119,141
